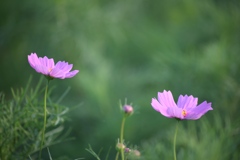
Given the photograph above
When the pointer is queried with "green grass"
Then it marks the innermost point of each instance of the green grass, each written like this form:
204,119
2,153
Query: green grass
126,49
22,122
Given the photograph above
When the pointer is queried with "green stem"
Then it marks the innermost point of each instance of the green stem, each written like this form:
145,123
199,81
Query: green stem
45,118
117,156
121,136
174,141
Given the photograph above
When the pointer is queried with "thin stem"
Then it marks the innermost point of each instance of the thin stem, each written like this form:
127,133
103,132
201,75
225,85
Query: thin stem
117,156
45,118
121,137
174,141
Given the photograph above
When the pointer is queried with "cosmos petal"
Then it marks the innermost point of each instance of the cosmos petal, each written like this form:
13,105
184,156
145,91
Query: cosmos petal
175,112
71,74
166,99
33,60
41,69
57,73
186,101
159,108
197,112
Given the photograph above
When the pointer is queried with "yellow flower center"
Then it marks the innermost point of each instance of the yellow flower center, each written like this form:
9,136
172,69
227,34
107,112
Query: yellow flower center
184,113
50,69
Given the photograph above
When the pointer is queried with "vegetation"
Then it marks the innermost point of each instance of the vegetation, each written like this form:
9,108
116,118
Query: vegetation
124,50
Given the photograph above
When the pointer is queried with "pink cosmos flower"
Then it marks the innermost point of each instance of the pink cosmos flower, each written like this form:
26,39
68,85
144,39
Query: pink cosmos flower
186,107
48,68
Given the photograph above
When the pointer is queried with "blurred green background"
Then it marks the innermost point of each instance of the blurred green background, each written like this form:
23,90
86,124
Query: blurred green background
129,49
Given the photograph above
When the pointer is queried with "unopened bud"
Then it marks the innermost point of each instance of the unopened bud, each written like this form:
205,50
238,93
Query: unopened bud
127,150
136,153
128,110
120,146
133,154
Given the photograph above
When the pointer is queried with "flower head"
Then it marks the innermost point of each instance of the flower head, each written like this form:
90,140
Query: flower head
127,150
128,110
186,107
120,146
48,68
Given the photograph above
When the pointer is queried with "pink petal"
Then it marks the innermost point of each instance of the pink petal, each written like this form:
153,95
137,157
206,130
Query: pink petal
175,112
66,67
185,102
42,69
50,63
61,65
159,108
57,73
71,74
166,99
198,111
33,60
61,70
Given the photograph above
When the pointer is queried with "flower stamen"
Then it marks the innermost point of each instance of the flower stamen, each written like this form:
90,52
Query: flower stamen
184,113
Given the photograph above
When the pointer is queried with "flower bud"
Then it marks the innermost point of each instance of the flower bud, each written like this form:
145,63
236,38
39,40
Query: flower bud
127,150
128,110
133,153
136,153
120,146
